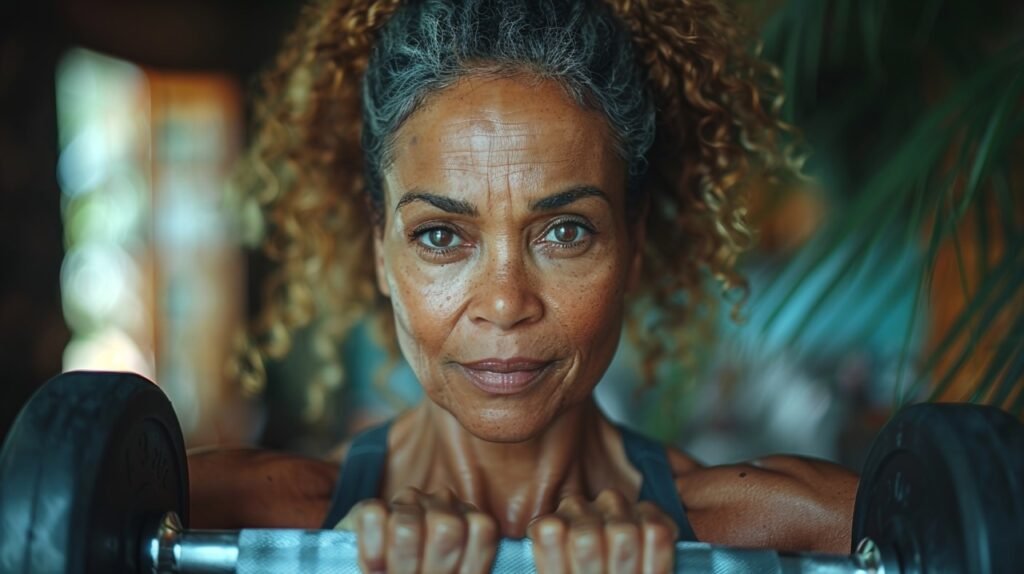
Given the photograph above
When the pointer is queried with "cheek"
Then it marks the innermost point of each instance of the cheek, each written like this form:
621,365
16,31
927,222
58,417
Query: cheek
588,304
426,300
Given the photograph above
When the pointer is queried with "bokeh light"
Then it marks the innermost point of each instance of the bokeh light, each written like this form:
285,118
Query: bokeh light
102,108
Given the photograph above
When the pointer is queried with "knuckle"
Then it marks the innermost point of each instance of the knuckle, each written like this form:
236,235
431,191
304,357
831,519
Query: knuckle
548,528
406,542
446,530
407,495
657,532
371,506
611,495
624,548
483,526
573,503
622,532
647,507
587,521
404,522
585,544
370,513
612,501
613,498
584,537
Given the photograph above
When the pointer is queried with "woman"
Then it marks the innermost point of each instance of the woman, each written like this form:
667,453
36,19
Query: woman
534,174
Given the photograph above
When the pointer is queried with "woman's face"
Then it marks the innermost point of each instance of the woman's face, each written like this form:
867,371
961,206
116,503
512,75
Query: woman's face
506,252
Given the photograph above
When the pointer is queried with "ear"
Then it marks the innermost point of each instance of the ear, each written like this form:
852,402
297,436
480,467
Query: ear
378,260
638,243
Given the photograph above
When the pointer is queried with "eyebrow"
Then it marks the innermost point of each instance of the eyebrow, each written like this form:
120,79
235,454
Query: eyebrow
459,207
441,202
563,198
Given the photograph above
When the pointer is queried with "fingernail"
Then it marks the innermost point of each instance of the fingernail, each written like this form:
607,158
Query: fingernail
370,528
585,541
549,534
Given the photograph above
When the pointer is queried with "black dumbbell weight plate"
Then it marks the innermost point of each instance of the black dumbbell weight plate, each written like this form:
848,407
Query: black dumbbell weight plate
89,458
943,488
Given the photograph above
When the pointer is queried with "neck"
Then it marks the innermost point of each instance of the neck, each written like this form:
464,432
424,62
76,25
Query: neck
579,453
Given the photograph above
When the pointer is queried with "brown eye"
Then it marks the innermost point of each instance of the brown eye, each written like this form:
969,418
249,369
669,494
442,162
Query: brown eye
567,232
439,238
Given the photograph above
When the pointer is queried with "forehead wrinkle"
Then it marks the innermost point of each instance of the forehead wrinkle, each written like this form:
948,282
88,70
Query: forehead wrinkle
504,161
512,139
505,152
508,161
510,171
488,124
496,128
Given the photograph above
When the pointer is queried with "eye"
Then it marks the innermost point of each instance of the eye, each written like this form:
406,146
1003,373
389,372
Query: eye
438,238
567,232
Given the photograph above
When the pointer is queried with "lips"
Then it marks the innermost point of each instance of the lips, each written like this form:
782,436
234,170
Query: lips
504,376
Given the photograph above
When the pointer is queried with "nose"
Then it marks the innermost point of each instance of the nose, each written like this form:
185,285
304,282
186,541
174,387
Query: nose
505,295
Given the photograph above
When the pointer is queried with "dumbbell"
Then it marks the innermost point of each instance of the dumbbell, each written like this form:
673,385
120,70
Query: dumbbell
93,478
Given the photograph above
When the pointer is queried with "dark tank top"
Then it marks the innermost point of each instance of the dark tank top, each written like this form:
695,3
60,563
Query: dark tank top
364,464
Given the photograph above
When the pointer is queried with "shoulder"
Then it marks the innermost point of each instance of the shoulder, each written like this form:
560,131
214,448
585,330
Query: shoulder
250,488
784,502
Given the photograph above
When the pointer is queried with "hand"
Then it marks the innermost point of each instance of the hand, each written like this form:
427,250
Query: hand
609,535
420,532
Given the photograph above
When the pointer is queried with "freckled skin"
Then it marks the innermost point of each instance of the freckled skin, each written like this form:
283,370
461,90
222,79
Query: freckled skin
501,283
499,145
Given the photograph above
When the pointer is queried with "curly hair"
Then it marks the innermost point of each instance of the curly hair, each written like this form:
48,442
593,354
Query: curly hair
313,168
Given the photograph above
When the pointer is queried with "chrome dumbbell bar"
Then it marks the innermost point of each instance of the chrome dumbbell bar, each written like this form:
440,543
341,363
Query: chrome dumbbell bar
169,549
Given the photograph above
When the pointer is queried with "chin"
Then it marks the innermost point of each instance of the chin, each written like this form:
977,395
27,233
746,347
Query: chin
504,424
510,418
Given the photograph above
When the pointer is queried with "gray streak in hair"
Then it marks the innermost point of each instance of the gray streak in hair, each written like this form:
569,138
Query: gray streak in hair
428,45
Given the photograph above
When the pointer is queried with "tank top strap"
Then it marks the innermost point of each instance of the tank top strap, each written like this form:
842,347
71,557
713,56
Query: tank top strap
361,472
657,481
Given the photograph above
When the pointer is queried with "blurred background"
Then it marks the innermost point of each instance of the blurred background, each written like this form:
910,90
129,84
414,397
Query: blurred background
894,274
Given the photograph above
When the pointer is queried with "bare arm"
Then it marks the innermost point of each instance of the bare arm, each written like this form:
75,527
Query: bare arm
782,502
250,488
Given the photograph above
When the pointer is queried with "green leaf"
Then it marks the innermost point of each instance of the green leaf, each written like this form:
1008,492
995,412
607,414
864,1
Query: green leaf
1011,350
1013,379
852,262
999,289
923,286
998,137
981,235
1005,351
961,144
